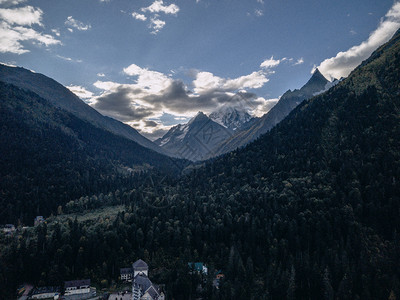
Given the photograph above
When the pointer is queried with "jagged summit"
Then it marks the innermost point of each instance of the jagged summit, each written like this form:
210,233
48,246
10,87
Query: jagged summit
317,82
196,140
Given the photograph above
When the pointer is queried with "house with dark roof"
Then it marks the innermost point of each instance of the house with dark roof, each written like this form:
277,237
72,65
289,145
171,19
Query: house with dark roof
46,292
142,287
140,267
78,289
126,274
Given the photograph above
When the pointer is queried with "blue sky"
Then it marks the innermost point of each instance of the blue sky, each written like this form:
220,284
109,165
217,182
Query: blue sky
154,63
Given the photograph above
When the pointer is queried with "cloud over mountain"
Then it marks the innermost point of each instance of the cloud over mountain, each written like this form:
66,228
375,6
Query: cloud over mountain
344,62
153,94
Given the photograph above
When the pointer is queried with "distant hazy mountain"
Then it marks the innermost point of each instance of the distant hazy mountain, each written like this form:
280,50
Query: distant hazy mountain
231,117
60,96
196,140
289,100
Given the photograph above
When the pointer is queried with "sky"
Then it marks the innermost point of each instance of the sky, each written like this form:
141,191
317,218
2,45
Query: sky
155,63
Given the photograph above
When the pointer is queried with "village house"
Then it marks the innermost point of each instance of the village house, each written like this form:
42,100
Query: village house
78,289
142,287
46,292
126,274
138,267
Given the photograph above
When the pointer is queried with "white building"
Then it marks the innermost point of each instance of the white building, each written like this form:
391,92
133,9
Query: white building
126,274
47,292
142,287
77,287
140,267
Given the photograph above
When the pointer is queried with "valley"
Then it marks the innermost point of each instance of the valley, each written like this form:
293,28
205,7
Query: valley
302,202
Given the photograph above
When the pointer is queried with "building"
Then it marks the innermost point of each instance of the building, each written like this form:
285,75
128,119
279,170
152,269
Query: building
140,267
126,274
197,267
46,292
78,289
38,220
142,287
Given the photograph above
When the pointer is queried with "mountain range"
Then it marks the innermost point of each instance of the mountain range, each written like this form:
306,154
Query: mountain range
289,100
308,210
232,127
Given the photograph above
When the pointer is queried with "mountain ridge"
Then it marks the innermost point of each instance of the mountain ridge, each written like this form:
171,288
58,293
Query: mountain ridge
289,100
62,97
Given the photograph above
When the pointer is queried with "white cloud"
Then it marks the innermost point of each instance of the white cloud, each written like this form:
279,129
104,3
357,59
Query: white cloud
156,24
11,38
258,12
138,16
344,62
16,27
270,63
101,75
26,16
207,82
152,94
11,2
313,69
106,85
260,1
69,59
261,106
299,62
153,14
254,80
77,24
80,91
152,81
158,6
56,32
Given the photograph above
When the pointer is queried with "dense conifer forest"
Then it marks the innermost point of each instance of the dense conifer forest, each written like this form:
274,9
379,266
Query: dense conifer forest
310,210
49,156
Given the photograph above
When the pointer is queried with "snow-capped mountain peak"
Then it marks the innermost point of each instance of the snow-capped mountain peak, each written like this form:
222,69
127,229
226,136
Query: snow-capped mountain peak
231,117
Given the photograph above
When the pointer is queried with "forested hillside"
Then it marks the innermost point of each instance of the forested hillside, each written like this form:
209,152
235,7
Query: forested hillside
308,211
59,96
49,157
